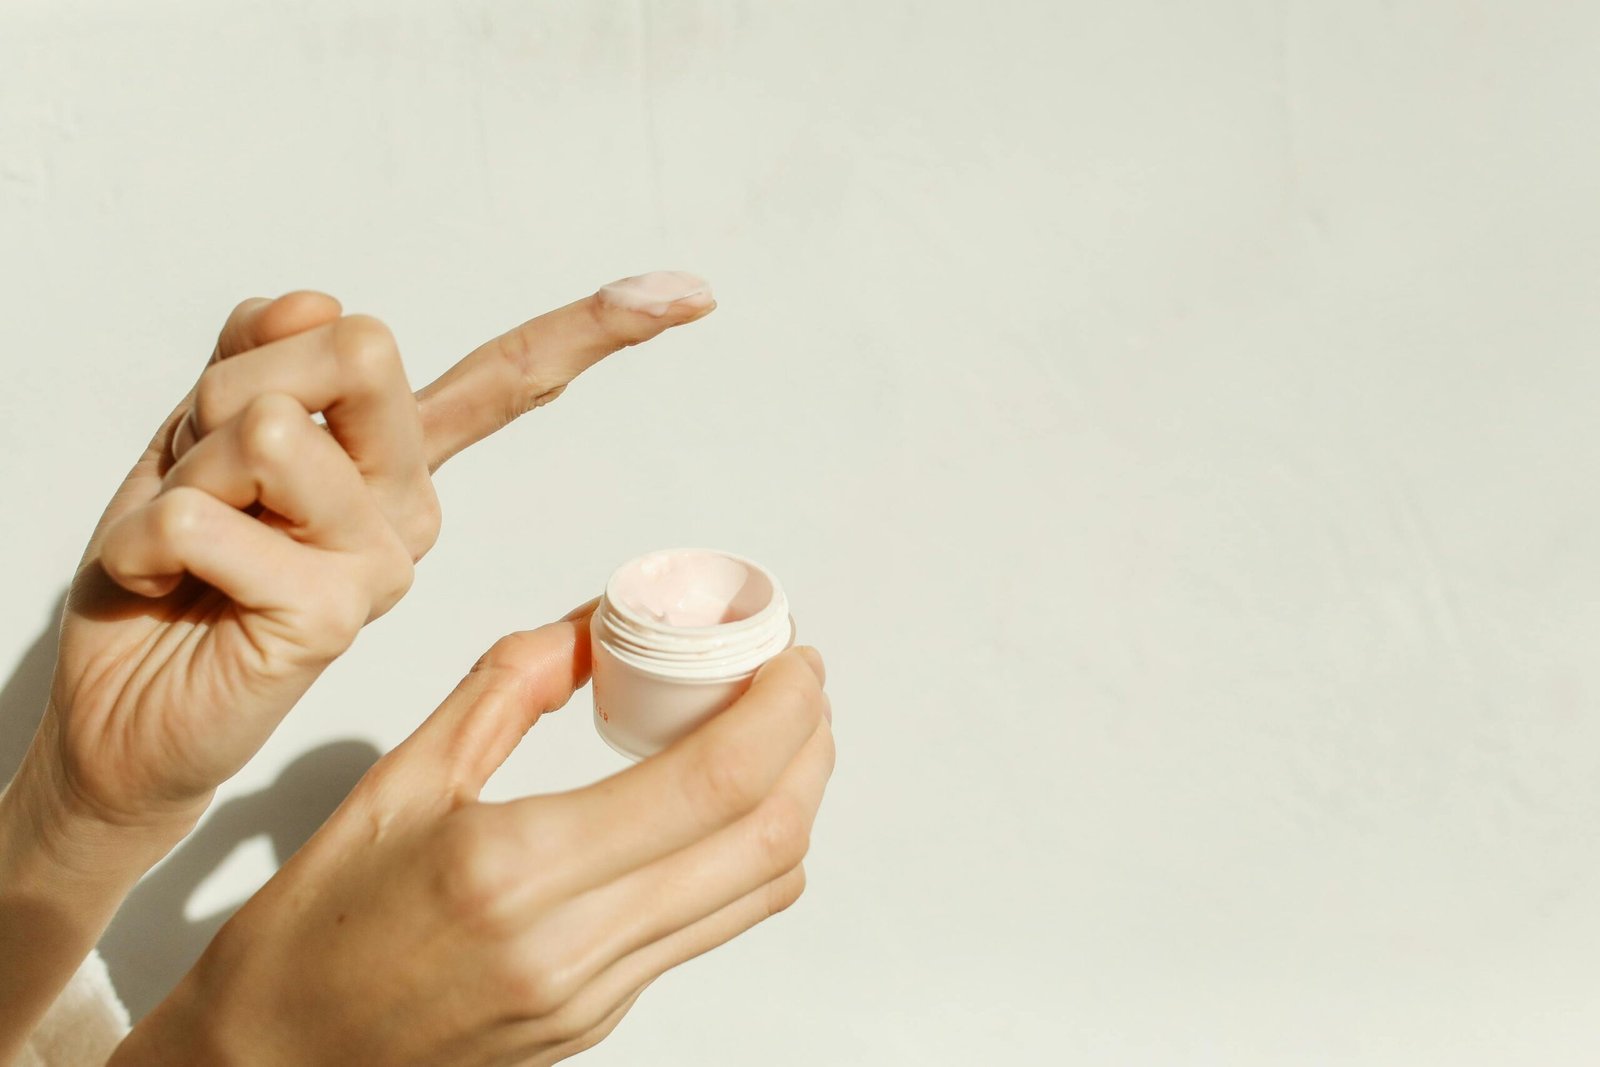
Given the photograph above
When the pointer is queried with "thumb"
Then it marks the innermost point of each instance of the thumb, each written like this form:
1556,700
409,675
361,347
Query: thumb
466,739
254,323
259,321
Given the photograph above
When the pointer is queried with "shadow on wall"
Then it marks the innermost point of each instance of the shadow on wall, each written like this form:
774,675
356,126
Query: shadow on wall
152,942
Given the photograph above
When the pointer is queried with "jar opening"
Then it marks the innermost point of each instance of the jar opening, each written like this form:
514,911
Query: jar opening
691,588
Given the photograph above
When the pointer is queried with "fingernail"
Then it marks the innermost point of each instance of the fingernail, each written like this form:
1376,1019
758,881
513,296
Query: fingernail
657,293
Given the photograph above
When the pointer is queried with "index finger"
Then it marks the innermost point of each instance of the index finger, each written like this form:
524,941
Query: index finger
531,365
524,676
704,782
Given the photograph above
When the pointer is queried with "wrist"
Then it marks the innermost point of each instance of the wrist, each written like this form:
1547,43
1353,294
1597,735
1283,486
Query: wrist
49,829
63,874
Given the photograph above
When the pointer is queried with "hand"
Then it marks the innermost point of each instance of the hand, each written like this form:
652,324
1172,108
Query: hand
248,545
423,926
239,557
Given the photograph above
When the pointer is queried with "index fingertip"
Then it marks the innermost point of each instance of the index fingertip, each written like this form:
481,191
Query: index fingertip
659,292
259,320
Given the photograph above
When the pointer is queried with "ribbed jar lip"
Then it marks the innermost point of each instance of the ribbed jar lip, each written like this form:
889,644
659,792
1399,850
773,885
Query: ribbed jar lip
699,653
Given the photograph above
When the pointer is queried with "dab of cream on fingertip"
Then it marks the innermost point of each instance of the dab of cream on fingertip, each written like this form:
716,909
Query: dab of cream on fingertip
656,293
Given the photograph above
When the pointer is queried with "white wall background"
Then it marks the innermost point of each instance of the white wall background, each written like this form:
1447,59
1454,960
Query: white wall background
1176,422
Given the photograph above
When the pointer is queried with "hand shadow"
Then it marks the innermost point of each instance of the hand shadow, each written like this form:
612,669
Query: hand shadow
151,942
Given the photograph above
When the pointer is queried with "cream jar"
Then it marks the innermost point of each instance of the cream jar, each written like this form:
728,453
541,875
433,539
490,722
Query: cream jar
675,639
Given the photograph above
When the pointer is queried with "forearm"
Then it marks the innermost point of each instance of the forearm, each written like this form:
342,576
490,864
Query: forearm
63,874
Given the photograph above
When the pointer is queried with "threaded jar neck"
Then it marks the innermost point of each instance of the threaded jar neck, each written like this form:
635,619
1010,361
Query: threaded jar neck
693,615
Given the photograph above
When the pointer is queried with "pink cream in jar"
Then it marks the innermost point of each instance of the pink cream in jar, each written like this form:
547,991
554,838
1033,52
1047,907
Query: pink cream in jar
676,639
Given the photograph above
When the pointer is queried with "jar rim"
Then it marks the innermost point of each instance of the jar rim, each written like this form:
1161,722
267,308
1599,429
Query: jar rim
776,603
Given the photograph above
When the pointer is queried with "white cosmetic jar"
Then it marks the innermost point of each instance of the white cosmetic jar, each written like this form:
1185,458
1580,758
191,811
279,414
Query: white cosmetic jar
676,639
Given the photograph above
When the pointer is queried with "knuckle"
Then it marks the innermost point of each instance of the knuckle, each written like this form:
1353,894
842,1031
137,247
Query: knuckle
513,661
585,1040
569,1020
539,987
512,654
332,622
516,349
540,381
403,573
782,893
783,833
114,553
473,875
270,430
178,514
515,669
502,655
594,1035
365,348
212,397
426,518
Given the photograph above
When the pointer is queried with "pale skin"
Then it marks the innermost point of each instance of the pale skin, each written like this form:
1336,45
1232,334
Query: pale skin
244,552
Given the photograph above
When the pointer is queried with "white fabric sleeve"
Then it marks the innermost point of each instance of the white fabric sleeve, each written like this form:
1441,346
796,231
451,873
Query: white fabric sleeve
83,1026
